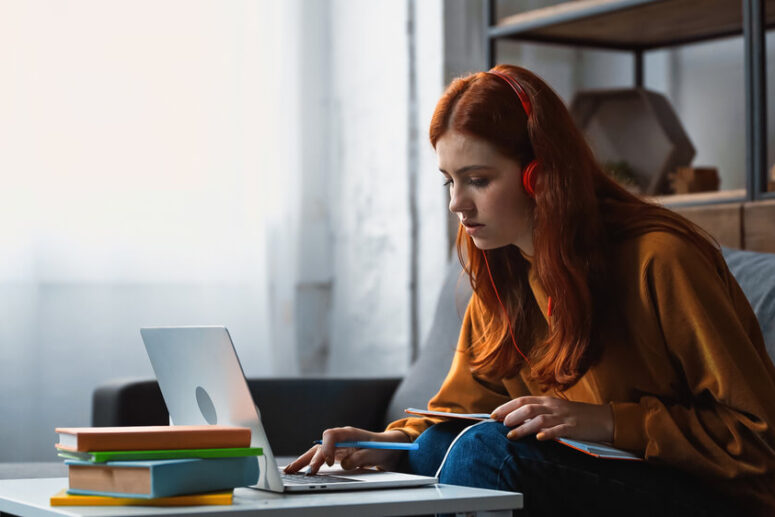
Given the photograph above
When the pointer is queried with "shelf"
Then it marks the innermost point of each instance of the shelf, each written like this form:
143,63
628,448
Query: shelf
619,24
700,198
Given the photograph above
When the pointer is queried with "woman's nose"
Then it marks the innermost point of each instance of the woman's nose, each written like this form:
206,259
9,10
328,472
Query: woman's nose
457,200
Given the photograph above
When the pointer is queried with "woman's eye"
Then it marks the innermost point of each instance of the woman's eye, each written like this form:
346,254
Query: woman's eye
447,183
478,182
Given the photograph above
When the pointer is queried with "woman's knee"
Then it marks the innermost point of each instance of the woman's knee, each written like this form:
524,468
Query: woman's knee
484,457
477,456
433,444
483,438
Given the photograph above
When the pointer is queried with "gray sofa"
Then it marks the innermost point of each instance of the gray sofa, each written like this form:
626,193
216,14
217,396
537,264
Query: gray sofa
295,411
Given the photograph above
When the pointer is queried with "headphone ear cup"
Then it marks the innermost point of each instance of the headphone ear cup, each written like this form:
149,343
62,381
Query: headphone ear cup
529,178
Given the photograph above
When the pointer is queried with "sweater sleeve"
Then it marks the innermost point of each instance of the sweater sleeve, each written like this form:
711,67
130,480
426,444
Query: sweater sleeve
721,421
461,391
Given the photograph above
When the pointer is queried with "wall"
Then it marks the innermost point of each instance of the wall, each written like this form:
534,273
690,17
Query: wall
370,297
373,75
433,246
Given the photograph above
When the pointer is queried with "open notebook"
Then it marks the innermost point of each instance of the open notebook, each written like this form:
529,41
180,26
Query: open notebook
597,450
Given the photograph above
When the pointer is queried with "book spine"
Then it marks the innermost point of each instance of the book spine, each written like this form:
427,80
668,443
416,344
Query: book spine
65,499
104,456
223,438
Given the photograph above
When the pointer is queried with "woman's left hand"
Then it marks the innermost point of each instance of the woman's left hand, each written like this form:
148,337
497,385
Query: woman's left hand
550,417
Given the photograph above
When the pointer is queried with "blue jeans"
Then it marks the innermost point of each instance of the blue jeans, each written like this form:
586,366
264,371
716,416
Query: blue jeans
557,480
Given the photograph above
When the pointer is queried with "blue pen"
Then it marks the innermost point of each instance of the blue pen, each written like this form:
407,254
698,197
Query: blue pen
396,446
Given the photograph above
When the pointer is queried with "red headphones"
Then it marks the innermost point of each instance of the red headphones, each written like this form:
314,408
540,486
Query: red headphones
529,178
529,171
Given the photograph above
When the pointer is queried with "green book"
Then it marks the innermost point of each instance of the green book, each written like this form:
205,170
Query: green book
103,456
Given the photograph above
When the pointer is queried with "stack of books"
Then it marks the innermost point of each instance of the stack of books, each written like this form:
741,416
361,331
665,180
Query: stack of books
155,465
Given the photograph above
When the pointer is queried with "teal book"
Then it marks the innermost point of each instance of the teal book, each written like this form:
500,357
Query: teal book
160,478
173,454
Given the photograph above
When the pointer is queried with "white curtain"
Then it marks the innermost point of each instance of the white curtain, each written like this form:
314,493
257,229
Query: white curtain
147,157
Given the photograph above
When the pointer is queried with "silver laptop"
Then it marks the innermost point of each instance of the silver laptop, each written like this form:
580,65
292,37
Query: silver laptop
202,382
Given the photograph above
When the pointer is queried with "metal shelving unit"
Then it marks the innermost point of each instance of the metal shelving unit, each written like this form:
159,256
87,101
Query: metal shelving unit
638,26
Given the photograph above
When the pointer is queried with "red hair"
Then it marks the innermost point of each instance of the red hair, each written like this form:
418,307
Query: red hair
579,212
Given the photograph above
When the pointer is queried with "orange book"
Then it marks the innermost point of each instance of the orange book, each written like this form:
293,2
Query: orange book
140,438
62,498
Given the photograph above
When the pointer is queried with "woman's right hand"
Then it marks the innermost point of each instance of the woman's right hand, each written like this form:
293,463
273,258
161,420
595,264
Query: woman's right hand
349,457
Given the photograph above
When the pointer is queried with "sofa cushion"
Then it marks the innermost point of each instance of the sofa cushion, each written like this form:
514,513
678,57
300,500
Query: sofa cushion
426,375
755,272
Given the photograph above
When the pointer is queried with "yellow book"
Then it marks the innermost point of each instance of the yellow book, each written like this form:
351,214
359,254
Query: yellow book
62,498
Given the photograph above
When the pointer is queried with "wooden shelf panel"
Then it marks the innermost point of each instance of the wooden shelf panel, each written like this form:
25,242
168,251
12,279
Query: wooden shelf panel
620,24
721,196
724,222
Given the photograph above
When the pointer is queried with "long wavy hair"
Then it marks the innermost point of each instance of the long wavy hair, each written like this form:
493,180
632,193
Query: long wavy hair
579,213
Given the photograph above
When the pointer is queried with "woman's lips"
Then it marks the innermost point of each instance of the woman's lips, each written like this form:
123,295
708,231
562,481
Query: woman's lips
472,229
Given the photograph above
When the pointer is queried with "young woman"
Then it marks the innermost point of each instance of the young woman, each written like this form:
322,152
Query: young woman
595,316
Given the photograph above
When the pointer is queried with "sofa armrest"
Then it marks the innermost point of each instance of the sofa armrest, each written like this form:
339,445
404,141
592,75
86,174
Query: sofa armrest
294,411
123,402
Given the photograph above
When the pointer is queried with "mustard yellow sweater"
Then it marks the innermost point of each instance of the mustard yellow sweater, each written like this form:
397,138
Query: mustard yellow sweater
688,378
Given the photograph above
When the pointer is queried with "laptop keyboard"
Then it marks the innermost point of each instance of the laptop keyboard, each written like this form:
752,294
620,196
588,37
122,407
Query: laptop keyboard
304,479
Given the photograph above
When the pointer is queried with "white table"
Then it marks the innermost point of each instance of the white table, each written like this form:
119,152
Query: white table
30,498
